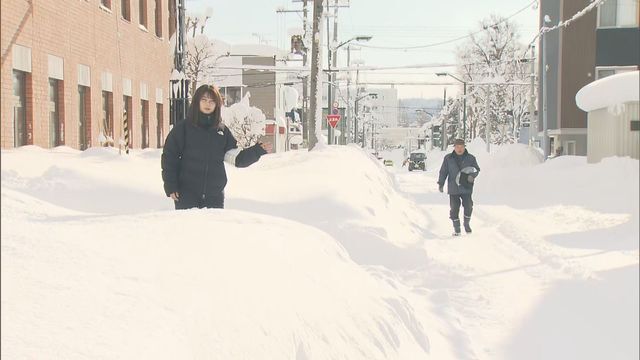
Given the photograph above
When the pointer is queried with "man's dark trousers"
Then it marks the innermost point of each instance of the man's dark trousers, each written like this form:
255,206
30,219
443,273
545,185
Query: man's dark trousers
455,201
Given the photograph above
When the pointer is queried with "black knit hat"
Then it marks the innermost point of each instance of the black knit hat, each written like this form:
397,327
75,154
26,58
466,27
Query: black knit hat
458,142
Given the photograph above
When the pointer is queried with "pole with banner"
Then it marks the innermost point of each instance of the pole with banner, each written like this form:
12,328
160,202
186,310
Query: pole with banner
126,132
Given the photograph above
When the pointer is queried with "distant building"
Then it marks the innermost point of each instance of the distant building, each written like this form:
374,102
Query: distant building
386,105
265,86
601,43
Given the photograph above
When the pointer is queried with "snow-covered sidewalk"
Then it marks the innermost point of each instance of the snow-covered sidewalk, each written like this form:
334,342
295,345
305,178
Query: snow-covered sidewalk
553,281
320,255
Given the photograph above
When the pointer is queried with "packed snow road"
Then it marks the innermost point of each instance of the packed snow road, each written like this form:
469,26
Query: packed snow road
531,283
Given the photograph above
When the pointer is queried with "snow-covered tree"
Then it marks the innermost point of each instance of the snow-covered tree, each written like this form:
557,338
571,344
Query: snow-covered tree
452,119
490,62
246,122
201,60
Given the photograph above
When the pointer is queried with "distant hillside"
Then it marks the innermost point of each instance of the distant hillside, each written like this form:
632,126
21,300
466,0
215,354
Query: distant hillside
409,117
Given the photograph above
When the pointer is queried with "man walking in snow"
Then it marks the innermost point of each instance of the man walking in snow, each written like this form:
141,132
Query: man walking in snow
461,168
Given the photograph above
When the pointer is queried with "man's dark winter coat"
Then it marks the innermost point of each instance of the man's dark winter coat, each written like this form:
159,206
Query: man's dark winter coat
451,166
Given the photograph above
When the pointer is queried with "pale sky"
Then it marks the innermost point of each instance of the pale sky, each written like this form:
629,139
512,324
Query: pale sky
391,23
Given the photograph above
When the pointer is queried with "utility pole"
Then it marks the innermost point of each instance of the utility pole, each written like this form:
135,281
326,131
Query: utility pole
347,128
305,79
464,112
373,132
315,109
532,98
331,55
443,130
179,85
334,77
545,137
487,126
355,118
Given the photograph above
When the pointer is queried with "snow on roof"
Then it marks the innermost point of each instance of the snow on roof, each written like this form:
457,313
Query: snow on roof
257,50
610,91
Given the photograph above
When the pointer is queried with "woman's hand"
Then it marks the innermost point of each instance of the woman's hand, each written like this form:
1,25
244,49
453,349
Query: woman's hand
175,196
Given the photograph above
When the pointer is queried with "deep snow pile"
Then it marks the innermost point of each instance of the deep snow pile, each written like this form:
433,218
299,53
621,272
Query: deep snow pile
343,192
96,265
323,254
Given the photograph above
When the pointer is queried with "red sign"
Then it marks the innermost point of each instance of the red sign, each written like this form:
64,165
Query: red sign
333,120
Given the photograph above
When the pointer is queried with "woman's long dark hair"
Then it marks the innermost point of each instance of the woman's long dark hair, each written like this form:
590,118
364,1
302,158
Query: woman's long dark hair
194,108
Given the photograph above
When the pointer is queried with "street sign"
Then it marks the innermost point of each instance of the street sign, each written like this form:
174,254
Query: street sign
333,120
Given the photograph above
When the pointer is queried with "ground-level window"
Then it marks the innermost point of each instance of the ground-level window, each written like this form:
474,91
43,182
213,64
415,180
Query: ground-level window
604,71
144,117
107,117
160,125
84,117
56,125
19,108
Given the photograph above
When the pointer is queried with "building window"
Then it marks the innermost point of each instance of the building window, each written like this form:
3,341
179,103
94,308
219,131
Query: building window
125,6
172,17
143,13
19,108
159,18
603,72
107,118
618,13
159,125
84,117
106,3
55,123
144,117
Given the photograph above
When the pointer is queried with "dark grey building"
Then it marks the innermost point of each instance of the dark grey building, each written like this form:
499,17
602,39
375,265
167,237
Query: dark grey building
617,37
603,42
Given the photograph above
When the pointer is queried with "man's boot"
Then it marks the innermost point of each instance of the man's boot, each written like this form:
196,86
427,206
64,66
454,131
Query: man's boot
456,227
467,227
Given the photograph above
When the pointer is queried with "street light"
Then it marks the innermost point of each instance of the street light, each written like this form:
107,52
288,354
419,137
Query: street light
464,103
333,55
355,38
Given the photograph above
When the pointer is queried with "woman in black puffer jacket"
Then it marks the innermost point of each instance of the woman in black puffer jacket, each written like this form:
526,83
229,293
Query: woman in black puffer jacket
194,153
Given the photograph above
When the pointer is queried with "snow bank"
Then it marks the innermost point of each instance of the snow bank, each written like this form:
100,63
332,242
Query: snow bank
189,285
610,91
95,264
342,191
516,175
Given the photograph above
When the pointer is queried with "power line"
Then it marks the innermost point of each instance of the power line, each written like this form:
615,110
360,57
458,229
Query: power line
447,41
565,23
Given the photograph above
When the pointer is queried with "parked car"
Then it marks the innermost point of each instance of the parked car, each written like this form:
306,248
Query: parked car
417,161
388,162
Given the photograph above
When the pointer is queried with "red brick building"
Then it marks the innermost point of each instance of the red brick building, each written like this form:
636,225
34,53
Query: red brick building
72,68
